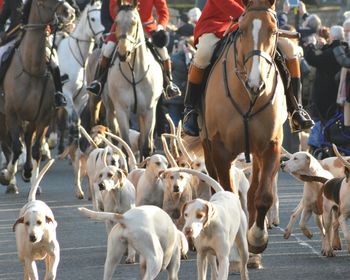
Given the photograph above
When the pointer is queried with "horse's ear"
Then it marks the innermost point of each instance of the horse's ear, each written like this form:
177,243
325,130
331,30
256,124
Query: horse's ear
272,3
246,2
92,2
134,3
119,3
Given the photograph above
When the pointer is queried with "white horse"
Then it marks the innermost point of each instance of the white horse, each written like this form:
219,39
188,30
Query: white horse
73,53
135,79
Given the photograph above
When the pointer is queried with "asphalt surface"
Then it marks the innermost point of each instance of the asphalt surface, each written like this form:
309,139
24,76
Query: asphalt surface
83,242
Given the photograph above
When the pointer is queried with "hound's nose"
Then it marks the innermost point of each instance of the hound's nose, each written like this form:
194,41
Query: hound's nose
188,231
283,165
32,238
176,188
102,186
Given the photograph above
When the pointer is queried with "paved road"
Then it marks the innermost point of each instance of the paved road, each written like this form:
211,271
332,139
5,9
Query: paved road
83,242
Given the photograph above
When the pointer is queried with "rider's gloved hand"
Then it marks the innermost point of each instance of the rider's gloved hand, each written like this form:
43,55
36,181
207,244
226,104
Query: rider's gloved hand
160,37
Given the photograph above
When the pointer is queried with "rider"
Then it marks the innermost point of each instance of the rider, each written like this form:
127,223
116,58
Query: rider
154,28
18,13
216,17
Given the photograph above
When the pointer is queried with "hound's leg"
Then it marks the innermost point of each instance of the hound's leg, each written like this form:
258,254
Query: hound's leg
242,246
295,214
342,221
30,267
327,249
202,266
305,216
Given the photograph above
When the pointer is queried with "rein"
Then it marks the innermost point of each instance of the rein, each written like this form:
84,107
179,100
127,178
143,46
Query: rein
246,116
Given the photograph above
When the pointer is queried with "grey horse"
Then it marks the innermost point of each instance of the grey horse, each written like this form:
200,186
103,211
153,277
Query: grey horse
29,88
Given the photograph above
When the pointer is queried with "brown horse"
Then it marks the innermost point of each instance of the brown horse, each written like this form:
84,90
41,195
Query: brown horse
29,88
245,110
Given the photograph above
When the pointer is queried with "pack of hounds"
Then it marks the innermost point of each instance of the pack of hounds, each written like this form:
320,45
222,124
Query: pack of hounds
156,210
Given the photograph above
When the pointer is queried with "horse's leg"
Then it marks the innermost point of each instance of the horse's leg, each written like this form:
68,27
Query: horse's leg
28,140
16,147
147,124
40,134
209,164
222,160
111,118
263,197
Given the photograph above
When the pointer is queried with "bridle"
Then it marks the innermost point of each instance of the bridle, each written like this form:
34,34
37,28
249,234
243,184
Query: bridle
136,42
269,58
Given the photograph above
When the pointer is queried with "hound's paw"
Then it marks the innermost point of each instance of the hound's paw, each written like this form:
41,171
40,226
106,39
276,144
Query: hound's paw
286,234
130,260
307,233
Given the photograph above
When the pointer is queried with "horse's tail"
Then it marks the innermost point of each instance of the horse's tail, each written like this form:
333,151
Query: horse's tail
194,145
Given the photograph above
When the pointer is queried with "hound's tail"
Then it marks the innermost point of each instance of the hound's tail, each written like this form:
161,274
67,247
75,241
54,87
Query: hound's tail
310,178
34,187
102,216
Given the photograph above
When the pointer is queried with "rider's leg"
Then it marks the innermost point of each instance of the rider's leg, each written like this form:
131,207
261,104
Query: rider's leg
201,60
60,99
101,73
299,118
171,90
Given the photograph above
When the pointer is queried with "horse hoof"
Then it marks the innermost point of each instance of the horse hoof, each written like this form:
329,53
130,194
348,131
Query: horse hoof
254,262
4,180
12,189
257,249
26,174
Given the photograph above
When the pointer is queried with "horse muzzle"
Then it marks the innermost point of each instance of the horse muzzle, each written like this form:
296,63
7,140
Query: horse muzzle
255,90
123,57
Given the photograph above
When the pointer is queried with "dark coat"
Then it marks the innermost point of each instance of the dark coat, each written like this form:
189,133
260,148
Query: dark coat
325,89
14,11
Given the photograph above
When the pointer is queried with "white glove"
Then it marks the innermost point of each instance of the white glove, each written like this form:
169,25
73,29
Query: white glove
160,27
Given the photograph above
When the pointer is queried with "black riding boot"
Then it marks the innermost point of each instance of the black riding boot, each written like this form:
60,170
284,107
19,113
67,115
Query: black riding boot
60,99
299,119
171,90
100,79
192,97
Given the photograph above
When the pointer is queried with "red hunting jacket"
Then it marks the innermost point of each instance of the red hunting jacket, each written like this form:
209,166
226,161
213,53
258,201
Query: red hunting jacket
216,19
145,8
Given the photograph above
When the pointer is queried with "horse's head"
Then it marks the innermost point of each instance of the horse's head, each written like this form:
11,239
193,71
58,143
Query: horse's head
128,29
93,20
45,10
256,44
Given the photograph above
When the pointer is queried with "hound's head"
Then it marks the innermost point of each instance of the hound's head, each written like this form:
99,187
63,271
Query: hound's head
110,177
197,214
96,131
176,182
299,163
156,164
35,224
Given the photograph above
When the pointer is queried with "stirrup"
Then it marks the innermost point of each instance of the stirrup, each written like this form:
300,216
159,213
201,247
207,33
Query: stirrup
171,91
95,88
60,100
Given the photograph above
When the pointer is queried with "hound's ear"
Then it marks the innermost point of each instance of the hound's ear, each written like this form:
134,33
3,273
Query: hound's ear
144,162
308,160
347,173
209,210
182,210
49,219
20,220
121,176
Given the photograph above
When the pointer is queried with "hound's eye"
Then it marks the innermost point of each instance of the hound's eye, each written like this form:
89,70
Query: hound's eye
198,164
100,176
182,164
171,177
294,158
200,215
109,175
158,163
186,215
27,223
38,223
181,177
